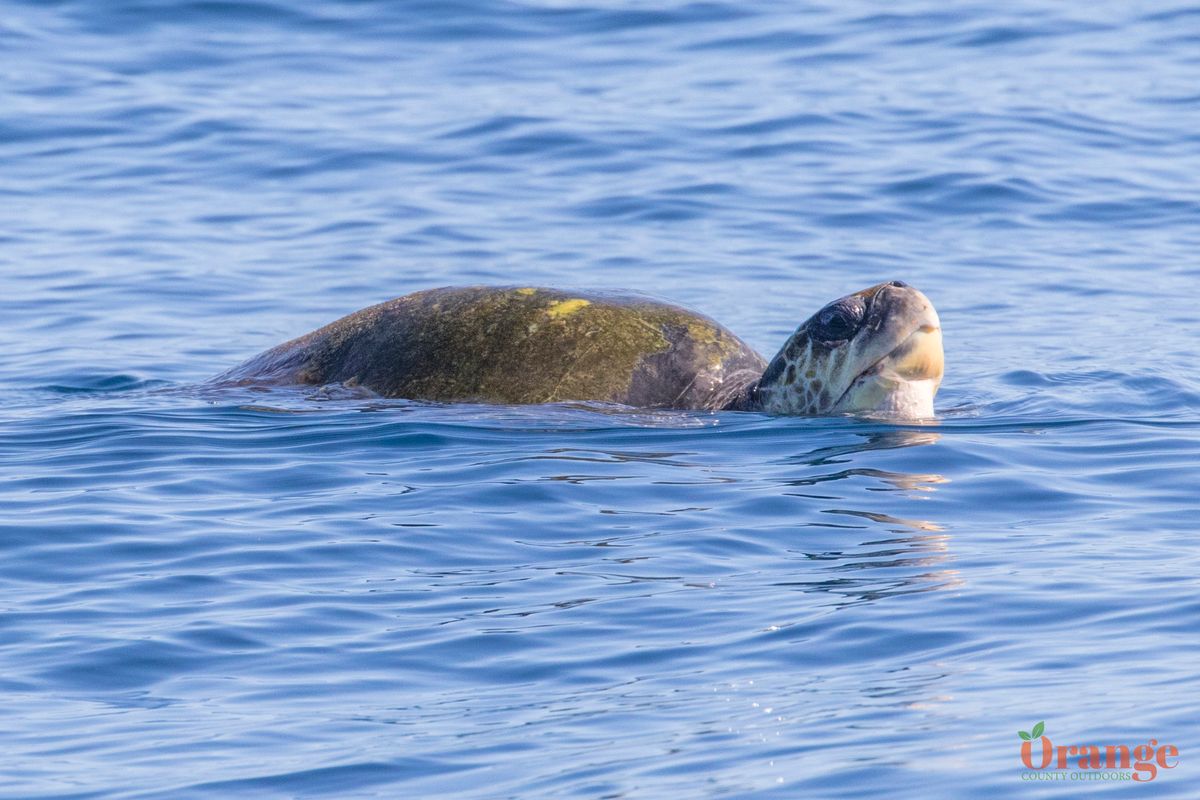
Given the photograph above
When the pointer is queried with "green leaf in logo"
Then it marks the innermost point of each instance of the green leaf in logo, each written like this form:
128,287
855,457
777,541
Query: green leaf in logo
1024,735
1037,729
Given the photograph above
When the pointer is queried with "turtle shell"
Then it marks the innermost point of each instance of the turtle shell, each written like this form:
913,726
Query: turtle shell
521,345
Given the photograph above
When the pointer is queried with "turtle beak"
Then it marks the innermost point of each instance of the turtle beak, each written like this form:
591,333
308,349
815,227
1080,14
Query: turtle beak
920,356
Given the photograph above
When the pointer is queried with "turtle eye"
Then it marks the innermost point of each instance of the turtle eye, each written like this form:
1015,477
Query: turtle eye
839,320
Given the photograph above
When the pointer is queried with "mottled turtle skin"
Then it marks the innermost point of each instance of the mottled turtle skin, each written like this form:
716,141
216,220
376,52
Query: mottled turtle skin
517,345
876,351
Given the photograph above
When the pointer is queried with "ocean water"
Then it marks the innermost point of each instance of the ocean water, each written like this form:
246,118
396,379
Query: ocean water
286,594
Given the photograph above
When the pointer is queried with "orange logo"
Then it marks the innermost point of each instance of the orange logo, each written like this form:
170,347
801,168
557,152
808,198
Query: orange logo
1090,762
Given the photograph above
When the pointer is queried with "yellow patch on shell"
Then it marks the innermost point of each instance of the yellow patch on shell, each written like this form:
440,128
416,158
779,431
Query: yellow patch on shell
566,307
527,291
703,333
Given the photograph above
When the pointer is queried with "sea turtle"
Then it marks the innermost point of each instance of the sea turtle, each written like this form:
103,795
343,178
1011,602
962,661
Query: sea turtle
874,351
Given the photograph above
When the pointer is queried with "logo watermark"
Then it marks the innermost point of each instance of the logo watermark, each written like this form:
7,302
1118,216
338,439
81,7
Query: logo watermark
1045,761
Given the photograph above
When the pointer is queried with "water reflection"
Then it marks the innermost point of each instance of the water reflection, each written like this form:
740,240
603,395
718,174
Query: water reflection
885,439
879,568
902,525
914,558
893,480
914,481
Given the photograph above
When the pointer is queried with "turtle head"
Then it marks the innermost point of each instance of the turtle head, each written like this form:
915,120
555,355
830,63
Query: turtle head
878,351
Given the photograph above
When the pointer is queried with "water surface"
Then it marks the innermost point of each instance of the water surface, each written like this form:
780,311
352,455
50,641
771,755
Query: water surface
222,594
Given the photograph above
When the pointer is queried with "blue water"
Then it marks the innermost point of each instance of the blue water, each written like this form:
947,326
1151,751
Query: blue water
287,594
